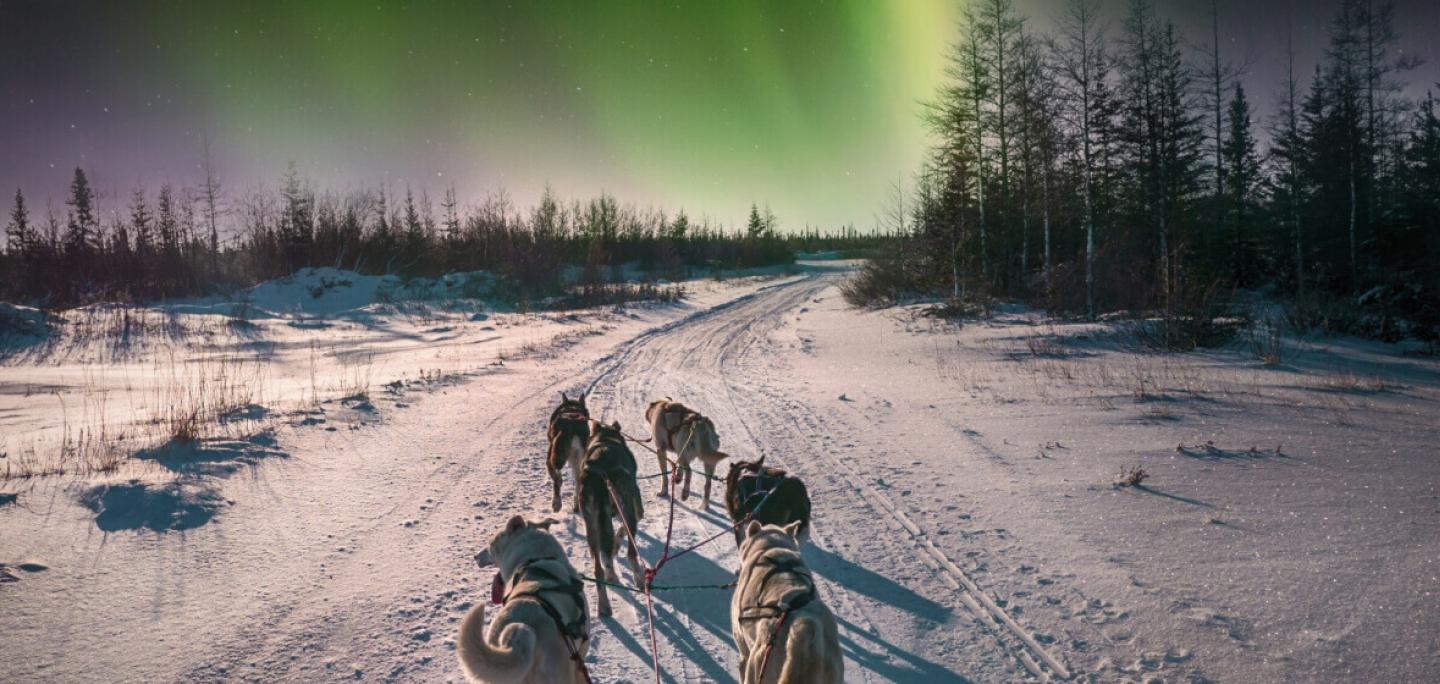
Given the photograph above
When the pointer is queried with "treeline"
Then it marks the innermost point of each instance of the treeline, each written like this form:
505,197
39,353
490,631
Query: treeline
170,244
1097,170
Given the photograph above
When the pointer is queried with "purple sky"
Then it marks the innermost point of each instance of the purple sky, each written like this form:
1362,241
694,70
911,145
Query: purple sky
808,105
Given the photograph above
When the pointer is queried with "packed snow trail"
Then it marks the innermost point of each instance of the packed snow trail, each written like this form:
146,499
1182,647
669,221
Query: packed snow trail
965,526
352,558
723,365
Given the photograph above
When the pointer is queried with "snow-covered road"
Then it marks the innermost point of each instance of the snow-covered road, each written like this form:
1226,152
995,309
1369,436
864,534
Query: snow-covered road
351,557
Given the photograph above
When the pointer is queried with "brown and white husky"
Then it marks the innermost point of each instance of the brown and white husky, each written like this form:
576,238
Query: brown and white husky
675,428
568,434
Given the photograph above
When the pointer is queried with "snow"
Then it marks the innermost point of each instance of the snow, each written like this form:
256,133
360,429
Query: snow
966,527
21,322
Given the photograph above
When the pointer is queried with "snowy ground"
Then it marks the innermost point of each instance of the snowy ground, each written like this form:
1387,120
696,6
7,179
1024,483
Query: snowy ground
966,527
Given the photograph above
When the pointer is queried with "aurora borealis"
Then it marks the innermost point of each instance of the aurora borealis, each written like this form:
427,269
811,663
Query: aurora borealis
810,107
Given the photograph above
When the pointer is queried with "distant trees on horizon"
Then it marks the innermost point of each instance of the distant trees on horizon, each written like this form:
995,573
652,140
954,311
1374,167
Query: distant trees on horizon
169,245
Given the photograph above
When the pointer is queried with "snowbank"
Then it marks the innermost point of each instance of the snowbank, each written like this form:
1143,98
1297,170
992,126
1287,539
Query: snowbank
326,292
22,321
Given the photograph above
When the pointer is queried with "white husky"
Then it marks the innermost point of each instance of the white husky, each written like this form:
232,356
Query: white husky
785,634
542,630
678,429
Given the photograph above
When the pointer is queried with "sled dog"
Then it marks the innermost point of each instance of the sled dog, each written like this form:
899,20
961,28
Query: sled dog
785,634
607,490
569,431
769,495
677,429
542,630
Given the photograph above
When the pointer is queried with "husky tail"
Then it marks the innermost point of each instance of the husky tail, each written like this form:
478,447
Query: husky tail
805,654
712,438
483,662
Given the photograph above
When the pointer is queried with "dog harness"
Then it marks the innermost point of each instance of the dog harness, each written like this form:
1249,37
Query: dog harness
569,415
689,418
601,443
780,609
571,632
776,566
751,484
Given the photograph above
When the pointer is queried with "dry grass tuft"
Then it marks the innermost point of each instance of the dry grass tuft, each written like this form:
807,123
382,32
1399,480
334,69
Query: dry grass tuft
197,395
1267,341
1130,476
1352,382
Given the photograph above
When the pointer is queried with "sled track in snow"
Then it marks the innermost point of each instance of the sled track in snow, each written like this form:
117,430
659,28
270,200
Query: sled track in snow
615,360
979,602
1040,662
735,342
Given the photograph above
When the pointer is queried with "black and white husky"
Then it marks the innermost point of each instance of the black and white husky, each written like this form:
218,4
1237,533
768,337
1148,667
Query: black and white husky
755,491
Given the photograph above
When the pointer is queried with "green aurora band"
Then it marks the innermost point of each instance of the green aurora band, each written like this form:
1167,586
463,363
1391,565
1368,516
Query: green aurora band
811,107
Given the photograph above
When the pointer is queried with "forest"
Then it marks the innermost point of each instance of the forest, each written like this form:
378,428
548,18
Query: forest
199,240
1104,167
1122,167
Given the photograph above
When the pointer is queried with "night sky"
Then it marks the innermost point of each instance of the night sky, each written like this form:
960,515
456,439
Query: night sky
810,106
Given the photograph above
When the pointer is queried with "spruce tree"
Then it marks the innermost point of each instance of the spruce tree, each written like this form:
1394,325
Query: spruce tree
20,238
755,226
81,228
1242,177
1288,154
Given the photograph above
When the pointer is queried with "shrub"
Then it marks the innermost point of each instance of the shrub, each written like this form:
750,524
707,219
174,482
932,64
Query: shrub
1131,476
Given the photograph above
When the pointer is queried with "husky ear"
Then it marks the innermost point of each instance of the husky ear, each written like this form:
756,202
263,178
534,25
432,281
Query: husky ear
546,523
793,529
564,399
752,529
515,525
616,425
582,400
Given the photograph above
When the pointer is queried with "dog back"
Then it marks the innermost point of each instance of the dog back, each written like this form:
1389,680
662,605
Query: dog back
564,430
746,494
609,465
569,421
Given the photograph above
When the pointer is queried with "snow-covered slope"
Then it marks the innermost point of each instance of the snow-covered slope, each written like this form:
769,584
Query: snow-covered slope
965,526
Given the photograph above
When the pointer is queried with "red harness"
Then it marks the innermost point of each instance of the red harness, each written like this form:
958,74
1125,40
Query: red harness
689,418
570,633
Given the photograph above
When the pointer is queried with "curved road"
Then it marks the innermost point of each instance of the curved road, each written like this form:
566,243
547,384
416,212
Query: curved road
351,559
